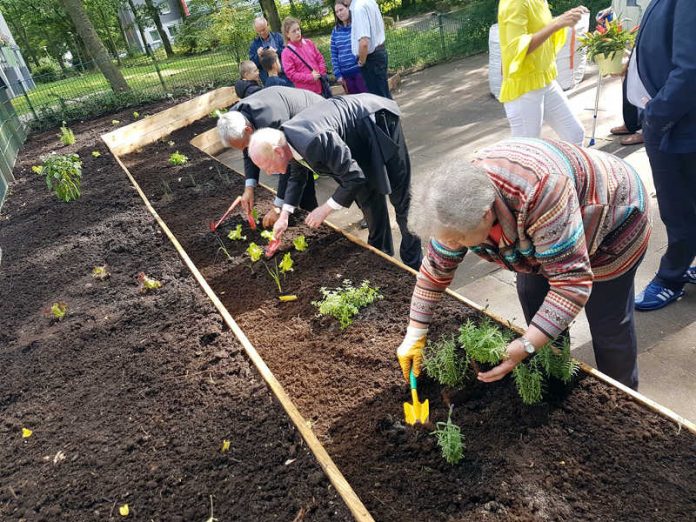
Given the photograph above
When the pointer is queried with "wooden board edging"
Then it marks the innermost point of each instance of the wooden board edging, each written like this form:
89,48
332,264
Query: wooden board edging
343,488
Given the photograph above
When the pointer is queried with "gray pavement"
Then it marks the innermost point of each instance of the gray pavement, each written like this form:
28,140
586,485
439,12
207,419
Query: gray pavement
448,115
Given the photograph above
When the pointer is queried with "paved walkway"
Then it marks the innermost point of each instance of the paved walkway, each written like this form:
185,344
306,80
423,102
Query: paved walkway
448,115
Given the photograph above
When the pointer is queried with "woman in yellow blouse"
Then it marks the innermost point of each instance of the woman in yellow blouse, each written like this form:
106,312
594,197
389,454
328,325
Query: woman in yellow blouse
529,40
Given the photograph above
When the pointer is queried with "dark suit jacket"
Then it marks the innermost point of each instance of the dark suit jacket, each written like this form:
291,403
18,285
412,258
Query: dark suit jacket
666,58
271,107
350,139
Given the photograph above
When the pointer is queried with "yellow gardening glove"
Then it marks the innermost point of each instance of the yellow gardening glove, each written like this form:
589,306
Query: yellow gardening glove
410,352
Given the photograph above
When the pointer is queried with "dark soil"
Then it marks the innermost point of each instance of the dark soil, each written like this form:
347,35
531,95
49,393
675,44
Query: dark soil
131,395
586,453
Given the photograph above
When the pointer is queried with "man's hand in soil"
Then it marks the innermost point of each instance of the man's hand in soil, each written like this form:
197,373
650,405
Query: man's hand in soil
281,225
410,352
515,355
247,202
271,217
317,216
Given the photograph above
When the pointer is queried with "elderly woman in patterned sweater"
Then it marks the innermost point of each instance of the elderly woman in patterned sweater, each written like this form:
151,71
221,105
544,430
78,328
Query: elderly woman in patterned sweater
572,222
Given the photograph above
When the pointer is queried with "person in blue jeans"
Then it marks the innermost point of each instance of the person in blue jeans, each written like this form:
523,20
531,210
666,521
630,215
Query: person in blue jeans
344,62
271,64
661,79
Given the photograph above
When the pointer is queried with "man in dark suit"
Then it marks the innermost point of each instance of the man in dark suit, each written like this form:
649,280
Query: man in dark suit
270,107
662,79
358,141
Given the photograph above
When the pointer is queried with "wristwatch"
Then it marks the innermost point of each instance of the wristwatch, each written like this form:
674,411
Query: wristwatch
528,346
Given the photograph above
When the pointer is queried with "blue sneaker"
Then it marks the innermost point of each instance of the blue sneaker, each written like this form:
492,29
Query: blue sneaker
690,275
656,296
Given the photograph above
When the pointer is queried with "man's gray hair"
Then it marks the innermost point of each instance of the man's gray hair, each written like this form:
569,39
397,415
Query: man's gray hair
451,198
231,126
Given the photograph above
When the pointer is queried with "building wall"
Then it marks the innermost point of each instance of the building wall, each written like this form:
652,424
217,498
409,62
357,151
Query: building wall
171,19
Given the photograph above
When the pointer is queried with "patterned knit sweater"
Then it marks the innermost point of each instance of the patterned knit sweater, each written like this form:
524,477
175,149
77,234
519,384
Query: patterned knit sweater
571,214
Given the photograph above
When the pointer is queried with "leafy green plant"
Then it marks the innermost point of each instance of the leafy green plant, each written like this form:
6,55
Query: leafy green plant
67,136
450,439
255,252
345,302
147,283
300,243
267,235
101,272
483,342
115,122
216,114
136,115
63,174
529,382
557,363
177,158
446,362
57,311
236,234
96,154
283,268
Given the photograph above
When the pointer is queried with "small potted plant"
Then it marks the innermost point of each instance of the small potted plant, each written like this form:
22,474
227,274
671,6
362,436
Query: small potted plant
607,45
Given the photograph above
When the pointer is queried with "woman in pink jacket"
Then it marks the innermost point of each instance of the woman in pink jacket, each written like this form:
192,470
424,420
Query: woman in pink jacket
304,75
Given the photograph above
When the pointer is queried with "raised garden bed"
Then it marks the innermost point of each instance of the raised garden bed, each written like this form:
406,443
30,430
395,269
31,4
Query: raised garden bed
589,452
130,396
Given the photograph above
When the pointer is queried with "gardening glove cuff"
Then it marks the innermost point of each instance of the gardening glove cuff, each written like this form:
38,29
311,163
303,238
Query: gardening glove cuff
410,352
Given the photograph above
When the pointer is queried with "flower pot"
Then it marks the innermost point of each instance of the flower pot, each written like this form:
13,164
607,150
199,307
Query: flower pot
612,64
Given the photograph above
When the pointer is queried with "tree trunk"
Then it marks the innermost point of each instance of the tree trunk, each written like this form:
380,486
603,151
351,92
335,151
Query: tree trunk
94,45
114,49
270,11
146,47
154,14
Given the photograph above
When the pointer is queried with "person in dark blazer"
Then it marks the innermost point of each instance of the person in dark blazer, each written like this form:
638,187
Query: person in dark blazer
269,107
662,79
358,141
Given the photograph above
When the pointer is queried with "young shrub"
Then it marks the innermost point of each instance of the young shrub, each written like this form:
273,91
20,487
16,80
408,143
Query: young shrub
63,175
147,284
485,342
300,243
450,439
345,302
177,158
445,362
558,364
529,382
67,137
236,234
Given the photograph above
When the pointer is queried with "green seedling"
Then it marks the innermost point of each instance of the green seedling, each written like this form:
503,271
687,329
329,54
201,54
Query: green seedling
223,249
236,234
136,115
216,114
147,284
446,362
300,243
267,235
283,268
529,382
96,154
255,214
115,122
63,175
171,143
557,363
485,342
101,272
345,302
67,137
255,252
450,439
57,311
176,158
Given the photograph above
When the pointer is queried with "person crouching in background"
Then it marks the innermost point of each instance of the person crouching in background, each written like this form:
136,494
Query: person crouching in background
249,82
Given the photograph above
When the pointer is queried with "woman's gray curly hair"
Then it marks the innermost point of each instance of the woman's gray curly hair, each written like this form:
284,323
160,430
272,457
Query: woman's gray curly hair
453,197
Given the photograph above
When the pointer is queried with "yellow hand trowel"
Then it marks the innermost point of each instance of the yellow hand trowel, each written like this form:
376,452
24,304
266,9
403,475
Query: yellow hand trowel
418,411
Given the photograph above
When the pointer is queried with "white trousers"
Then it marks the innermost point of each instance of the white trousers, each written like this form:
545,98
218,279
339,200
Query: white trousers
550,104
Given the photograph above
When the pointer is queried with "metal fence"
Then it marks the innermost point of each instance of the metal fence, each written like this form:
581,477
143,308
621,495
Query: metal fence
82,91
12,136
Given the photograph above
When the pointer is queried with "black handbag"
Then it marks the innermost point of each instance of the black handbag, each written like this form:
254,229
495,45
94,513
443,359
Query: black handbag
323,79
